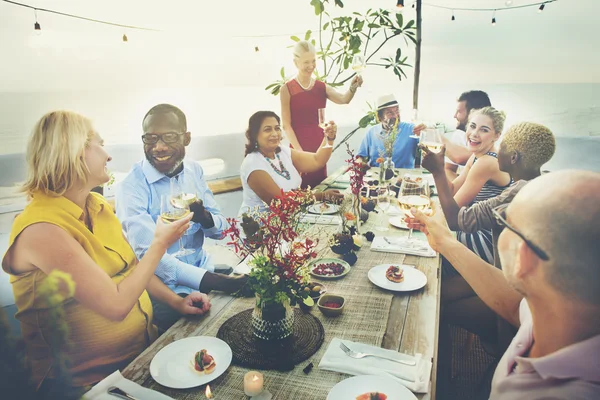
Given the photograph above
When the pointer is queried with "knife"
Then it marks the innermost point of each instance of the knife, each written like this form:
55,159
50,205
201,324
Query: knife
115,391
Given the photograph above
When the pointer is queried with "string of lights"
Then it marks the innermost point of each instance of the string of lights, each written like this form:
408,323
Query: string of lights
399,4
38,28
508,6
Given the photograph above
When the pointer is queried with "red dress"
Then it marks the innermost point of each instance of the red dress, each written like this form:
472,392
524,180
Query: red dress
305,123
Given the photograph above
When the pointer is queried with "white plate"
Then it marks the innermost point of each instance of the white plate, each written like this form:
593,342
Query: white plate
171,365
413,278
316,209
351,388
399,222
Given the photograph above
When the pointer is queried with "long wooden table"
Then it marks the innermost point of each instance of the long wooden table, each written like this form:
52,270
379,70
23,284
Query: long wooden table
411,326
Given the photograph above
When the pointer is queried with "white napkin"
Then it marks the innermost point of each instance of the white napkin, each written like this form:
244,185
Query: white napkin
336,360
395,245
99,392
321,219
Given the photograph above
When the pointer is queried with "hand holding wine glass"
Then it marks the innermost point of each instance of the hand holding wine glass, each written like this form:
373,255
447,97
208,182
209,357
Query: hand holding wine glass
175,206
167,233
413,194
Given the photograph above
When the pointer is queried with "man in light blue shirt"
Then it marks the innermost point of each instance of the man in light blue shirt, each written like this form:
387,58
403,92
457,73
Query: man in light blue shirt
138,204
403,154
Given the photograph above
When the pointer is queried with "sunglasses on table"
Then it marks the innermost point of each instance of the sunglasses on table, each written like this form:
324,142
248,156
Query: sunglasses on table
500,217
170,137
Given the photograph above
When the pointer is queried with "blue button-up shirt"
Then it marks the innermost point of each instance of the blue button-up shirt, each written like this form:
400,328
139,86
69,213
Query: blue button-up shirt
138,207
403,154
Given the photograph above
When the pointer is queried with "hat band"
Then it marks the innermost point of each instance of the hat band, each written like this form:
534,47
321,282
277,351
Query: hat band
388,104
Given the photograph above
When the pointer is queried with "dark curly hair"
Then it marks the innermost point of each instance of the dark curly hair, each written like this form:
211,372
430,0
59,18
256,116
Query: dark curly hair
254,124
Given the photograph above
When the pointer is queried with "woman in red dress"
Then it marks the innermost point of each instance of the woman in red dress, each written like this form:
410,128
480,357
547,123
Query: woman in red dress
301,97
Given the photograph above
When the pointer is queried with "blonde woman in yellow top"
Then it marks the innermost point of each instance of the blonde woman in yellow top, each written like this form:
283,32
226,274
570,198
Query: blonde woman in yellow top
67,228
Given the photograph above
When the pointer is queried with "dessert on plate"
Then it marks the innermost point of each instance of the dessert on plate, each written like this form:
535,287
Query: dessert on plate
394,274
372,396
204,363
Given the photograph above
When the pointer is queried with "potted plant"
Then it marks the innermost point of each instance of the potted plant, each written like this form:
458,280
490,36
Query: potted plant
279,260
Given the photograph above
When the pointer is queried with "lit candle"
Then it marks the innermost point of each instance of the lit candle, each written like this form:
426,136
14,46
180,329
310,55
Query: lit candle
253,383
208,392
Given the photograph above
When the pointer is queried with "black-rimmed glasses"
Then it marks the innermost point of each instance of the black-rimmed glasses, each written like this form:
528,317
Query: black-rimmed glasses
500,217
153,138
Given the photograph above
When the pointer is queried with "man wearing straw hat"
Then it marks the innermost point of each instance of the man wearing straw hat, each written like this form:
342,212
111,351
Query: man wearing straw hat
404,146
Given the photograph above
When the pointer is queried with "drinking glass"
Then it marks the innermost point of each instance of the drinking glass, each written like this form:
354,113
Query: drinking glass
323,124
414,119
358,64
173,207
383,202
413,194
431,139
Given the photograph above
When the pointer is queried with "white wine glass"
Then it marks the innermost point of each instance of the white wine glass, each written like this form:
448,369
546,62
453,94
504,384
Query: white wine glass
323,124
173,207
414,119
358,64
431,139
384,203
413,194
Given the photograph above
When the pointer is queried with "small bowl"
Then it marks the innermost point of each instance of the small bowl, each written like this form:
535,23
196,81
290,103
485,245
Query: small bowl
329,311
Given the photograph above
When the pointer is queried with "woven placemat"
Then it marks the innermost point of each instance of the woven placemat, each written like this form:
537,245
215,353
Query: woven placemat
252,352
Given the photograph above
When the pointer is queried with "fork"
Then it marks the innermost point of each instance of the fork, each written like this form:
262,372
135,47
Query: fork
355,354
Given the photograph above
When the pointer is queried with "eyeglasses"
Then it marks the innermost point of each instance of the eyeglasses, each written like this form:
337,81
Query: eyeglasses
153,138
500,217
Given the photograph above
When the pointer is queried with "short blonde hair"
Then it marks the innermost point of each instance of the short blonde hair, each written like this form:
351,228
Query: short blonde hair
302,47
55,153
497,117
534,142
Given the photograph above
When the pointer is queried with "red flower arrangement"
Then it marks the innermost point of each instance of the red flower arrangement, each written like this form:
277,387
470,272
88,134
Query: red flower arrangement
357,169
279,257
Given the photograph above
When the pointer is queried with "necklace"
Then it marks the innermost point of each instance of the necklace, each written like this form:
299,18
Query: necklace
281,171
309,83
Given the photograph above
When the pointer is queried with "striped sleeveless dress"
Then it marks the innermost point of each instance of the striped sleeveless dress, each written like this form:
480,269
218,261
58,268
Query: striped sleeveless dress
481,242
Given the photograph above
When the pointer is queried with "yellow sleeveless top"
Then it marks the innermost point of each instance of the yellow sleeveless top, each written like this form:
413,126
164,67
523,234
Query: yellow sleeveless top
98,346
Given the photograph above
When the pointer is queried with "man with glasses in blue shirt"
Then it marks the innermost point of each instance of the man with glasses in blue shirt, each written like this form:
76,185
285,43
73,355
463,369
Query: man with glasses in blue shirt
138,204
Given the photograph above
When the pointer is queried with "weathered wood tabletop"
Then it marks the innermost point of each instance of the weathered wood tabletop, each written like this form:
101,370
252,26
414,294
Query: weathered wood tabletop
411,326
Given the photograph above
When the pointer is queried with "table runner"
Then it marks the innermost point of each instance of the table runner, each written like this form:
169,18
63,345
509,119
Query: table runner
364,320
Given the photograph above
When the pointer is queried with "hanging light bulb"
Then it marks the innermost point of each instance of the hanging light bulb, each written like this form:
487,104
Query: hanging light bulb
541,7
453,18
37,28
400,4
493,21
125,38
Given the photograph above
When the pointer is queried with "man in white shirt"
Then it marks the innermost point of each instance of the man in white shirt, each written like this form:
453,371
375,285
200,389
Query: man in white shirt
456,151
548,286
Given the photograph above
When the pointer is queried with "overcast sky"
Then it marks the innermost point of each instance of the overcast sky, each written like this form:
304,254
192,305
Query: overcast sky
200,43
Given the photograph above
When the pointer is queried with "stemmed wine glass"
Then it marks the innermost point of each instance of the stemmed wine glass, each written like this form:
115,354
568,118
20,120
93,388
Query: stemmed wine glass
413,194
383,202
323,124
431,139
414,119
358,64
173,207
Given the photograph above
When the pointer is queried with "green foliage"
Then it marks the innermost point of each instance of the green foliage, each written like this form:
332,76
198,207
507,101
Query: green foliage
342,37
14,375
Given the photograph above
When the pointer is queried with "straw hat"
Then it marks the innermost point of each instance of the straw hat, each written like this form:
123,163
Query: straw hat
385,101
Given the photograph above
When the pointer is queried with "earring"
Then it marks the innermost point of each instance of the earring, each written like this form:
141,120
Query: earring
256,145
